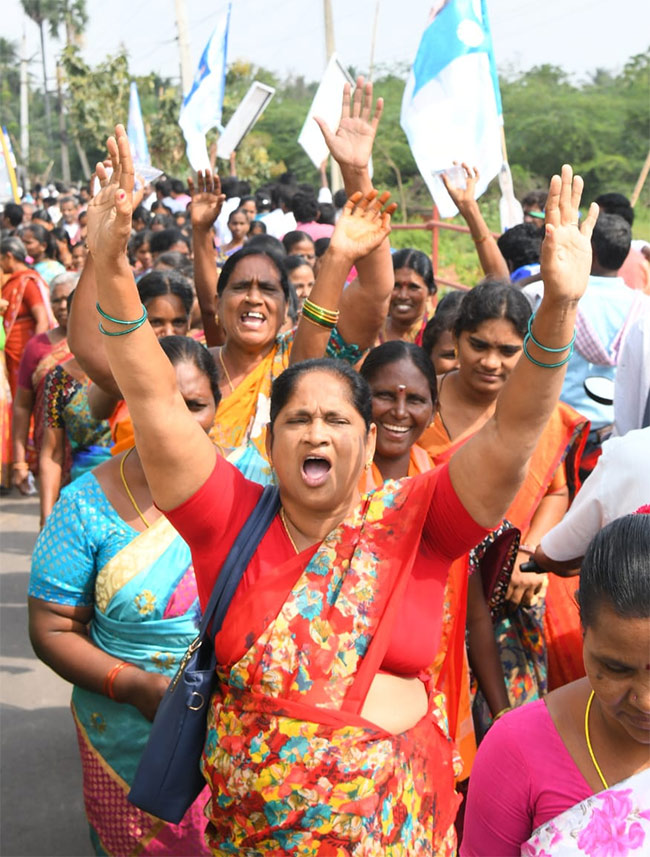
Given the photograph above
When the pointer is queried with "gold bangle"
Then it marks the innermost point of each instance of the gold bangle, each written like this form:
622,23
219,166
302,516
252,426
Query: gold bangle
325,314
20,465
481,239
501,713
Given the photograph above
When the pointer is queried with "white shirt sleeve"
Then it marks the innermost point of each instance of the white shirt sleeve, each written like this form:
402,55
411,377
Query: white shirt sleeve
618,485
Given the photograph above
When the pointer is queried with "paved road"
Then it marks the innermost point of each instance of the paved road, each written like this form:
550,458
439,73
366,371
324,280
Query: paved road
41,805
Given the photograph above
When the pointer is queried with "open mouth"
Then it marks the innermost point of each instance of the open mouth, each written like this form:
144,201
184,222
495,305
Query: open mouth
402,307
315,470
252,320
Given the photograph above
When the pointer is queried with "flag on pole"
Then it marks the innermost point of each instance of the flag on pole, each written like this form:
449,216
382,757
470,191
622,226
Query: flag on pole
135,129
451,109
201,109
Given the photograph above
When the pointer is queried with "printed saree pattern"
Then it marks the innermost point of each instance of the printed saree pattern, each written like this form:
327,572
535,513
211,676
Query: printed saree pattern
611,823
292,765
146,612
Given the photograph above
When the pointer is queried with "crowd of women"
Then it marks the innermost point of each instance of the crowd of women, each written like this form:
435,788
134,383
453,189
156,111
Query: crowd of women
395,676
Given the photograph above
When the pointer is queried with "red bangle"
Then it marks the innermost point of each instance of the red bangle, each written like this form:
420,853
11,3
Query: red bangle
111,676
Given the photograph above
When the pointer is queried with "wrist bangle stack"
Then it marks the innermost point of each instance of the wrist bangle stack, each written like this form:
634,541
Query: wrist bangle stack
132,325
319,315
530,338
20,465
112,675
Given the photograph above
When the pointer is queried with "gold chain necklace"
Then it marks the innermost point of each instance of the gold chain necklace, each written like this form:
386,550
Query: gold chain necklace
589,747
283,518
128,490
223,365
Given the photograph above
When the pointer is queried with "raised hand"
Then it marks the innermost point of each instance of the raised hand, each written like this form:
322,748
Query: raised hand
363,225
109,212
462,196
207,199
566,250
351,145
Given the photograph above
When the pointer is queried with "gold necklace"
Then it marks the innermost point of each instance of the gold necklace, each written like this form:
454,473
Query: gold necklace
589,747
283,518
223,365
128,490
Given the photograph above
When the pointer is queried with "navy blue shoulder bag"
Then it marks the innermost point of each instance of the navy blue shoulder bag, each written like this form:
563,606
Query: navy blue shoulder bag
168,779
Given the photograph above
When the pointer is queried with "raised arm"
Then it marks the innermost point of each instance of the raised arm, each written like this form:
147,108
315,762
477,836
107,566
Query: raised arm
84,339
176,454
489,255
207,200
364,304
488,470
363,225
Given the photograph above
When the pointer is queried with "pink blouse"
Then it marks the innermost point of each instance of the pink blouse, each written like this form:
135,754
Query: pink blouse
523,776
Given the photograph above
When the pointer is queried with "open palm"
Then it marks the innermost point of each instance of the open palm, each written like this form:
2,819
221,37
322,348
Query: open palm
351,145
363,225
109,212
207,199
566,250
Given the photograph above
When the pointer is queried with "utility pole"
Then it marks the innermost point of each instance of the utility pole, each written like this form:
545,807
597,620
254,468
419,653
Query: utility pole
374,41
329,29
63,134
183,28
336,179
24,106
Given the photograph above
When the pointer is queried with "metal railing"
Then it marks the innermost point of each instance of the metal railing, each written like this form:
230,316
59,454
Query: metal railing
434,225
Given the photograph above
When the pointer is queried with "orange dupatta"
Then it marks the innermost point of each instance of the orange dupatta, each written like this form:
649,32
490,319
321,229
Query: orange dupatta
562,440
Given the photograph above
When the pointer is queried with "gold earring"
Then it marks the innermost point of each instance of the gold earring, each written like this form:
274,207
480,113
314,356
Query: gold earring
368,464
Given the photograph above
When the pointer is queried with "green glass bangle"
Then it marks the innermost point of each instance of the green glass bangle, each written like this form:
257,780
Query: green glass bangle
137,321
329,325
136,325
544,347
546,365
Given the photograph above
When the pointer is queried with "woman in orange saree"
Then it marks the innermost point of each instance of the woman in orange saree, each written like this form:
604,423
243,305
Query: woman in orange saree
489,334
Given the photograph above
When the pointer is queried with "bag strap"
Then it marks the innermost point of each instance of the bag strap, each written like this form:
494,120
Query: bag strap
245,545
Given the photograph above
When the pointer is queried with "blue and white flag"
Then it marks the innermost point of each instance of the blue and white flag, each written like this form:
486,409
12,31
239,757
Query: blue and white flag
135,129
451,109
202,105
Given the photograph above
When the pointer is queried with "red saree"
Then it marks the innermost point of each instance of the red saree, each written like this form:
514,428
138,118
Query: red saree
293,766
450,670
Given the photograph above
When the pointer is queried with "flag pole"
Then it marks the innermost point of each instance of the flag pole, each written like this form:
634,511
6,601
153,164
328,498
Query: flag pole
643,175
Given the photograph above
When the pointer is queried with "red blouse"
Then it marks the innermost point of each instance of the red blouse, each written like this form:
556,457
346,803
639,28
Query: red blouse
210,520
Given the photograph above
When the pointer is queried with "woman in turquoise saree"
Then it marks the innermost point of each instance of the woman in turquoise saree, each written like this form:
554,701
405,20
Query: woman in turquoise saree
113,607
570,774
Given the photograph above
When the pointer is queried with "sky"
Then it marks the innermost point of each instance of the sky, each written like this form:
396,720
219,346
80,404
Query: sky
287,36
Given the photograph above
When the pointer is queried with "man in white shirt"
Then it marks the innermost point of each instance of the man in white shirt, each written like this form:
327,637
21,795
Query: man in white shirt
618,485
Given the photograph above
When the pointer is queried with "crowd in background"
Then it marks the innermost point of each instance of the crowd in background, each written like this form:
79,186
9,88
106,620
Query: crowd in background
240,285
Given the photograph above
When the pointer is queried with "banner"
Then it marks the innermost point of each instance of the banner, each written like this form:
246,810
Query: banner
202,105
327,105
250,108
451,109
135,129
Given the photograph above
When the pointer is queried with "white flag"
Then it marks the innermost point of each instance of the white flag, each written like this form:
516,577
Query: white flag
451,109
202,105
